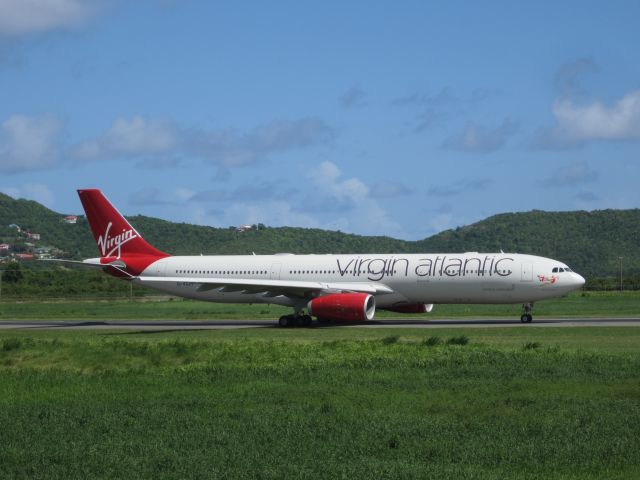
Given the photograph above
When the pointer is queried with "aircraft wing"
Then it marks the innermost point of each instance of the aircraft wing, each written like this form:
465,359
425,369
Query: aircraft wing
271,288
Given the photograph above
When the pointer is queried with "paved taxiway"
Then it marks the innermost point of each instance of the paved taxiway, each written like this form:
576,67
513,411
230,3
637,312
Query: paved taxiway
233,324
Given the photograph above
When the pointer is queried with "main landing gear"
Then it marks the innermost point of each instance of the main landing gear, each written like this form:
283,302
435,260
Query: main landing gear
527,309
296,320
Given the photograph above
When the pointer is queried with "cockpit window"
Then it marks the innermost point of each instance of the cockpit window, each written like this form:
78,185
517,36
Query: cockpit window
560,269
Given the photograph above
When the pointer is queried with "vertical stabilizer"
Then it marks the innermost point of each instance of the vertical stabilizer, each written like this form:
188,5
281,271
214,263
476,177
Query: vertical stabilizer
113,234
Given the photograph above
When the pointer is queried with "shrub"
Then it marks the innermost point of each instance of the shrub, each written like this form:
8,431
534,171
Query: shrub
390,339
461,340
432,341
11,344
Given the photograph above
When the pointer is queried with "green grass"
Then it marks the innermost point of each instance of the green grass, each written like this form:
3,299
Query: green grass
580,304
321,403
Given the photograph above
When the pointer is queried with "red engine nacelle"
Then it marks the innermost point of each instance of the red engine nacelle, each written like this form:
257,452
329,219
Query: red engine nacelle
411,308
348,307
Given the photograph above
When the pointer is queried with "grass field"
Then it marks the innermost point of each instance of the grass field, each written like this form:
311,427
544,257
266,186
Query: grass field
321,403
579,304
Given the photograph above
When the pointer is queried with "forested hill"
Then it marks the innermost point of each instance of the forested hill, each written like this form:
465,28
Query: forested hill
590,242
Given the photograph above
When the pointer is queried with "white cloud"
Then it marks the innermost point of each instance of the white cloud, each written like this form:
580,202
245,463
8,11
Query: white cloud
574,174
437,109
131,137
346,203
20,17
31,191
479,139
462,186
152,196
327,179
184,194
137,135
389,189
440,222
576,125
229,148
29,143
161,142
598,121
330,201
34,142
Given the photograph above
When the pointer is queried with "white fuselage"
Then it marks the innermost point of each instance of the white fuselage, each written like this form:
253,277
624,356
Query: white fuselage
413,278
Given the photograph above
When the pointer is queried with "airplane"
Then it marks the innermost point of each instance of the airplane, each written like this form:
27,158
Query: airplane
338,288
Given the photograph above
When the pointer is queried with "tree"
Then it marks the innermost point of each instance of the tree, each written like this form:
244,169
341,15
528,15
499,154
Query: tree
13,273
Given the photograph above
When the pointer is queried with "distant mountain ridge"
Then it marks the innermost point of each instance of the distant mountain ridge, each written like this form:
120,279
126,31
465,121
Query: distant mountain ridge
590,242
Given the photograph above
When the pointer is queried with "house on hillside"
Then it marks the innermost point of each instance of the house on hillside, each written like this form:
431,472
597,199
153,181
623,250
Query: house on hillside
70,219
43,252
24,256
4,247
244,228
33,236
17,227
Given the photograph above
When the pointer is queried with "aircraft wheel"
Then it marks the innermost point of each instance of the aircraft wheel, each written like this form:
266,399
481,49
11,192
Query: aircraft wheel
284,321
306,320
527,308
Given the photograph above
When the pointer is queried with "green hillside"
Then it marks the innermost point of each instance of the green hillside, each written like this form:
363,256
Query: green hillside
75,240
591,242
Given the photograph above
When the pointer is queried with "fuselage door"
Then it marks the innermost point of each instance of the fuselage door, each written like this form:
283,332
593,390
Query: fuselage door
527,272
275,271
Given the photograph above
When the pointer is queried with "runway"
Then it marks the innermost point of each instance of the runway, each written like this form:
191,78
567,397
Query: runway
168,325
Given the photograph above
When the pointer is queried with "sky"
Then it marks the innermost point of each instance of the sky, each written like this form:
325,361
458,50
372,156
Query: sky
376,118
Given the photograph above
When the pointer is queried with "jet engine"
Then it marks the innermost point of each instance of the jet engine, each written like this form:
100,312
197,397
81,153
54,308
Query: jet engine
347,307
411,308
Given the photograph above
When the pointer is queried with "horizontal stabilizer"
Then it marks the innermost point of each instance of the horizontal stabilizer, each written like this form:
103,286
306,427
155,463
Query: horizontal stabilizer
90,262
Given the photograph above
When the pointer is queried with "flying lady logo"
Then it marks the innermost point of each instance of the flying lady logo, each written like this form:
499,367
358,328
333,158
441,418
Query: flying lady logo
548,279
109,245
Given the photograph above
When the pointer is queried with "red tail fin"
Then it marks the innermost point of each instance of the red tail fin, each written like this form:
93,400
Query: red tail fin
113,234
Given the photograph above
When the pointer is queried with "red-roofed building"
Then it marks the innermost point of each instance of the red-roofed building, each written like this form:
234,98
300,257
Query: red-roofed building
70,219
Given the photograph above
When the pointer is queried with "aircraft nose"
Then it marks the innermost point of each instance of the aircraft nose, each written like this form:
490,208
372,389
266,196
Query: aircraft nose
579,280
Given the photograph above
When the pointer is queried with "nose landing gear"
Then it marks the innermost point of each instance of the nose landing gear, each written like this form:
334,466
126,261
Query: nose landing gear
527,309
